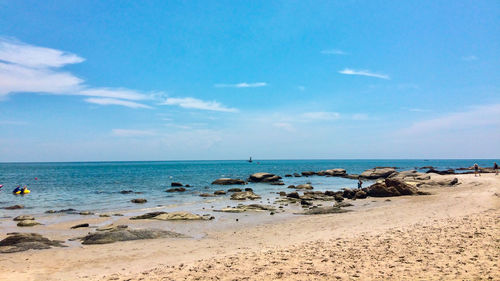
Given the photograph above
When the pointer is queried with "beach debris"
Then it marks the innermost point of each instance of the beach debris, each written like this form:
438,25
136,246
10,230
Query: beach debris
219,192
176,189
376,173
23,217
14,207
264,177
234,190
228,181
139,200
174,184
244,195
147,215
18,242
116,235
323,211
27,223
80,225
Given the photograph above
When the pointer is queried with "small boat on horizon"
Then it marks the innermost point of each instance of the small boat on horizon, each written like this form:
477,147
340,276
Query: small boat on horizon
250,160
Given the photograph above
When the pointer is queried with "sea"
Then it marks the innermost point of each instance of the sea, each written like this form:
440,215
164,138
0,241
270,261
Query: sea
96,186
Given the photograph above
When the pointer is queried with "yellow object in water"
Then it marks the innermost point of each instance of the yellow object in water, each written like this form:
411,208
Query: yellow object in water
23,192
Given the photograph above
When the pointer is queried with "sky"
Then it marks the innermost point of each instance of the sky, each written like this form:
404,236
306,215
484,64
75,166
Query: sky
210,80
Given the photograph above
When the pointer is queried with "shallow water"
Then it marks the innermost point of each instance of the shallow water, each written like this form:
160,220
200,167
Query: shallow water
95,186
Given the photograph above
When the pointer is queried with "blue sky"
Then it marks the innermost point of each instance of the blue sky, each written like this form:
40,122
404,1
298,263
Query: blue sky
166,80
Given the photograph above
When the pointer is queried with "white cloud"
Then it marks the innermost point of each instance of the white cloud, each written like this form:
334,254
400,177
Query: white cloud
193,103
470,58
132,133
110,101
368,73
321,115
333,52
119,93
242,85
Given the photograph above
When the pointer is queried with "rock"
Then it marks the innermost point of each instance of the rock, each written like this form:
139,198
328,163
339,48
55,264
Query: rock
390,187
352,176
14,207
139,200
234,190
17,242
70,210
178,216
377,173
439,183
305,203
207,195
244,195
104,215
126,191
26,223
335,172
447,172
288,176
323,210
282,193
85,213
293,195
264,177
291,186
297,175
176,189
219,192
106,237
176,184
147,215
342,204
80,225
348,193
278,183
22,218
304,186
228,181
360,194
111,227
308,173
244,208
187,185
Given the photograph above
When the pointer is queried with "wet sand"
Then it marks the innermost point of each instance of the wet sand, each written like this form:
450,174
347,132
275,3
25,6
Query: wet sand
451,234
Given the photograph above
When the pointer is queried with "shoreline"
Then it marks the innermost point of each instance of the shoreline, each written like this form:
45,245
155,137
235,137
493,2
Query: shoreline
472,196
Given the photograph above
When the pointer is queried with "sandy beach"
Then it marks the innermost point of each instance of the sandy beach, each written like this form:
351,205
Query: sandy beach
451,234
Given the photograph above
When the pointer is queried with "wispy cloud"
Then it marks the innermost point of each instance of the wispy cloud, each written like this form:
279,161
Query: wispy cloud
242,85
470,58
111,101
193,103
333,52
348,71
118,93
132,133
321,115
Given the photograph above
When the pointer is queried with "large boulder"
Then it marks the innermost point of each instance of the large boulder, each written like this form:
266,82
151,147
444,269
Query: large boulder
147,216
335,172
390,187
17,242
244,195
445,172
106,237
439,183
264,177
176,184
22,218
377,173
139,201
302,186
174,216
308,173
228,181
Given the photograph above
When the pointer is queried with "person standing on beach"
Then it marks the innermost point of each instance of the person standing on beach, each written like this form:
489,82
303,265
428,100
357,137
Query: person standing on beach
360,183
495,168
476,170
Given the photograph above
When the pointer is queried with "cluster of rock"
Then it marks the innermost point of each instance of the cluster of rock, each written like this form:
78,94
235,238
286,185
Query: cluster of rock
244,208
17,242
173,216
24,221
264,177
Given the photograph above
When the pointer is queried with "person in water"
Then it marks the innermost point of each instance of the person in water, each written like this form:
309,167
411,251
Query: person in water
18,188
476,170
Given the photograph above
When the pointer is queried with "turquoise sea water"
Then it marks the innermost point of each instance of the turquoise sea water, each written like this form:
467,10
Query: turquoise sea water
96,186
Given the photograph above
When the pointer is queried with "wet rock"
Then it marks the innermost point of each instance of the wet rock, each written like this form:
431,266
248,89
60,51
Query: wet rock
70,210
22,218
278,183
446,172
147,216
126,191
178,216
85,213
264,177
248,189
297,175
244,195
228,181
17,242
139,200
390,187
219,192
294,195
27,223
348,193
174,184
104,215
244,208
305,203
308,173
14,207
106,237
335,172
234,190
360,194
288,176
176,189
282,193
377,173
291,186
323,211
304,186
80,225
207,195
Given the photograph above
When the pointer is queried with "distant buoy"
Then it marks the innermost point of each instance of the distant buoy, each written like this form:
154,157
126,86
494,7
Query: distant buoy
36,178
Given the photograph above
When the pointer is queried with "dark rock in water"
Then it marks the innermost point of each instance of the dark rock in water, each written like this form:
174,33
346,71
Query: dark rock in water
85,213
293,195
22,218
305,203
335,172
308,173
187,185
447,172
14,207
323,211
244,195
70,210
80,225
248,189
360,194
126,191
147,216
139,200
176,189
228,181
291,186
278,183
25,223
219,192
264,177
352,176
377,173
426,167
17,242
288,176
304,186
234,190
282,193
297,175
207,195
106,237
176,184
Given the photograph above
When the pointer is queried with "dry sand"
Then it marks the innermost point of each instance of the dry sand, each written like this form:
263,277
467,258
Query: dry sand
452,234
